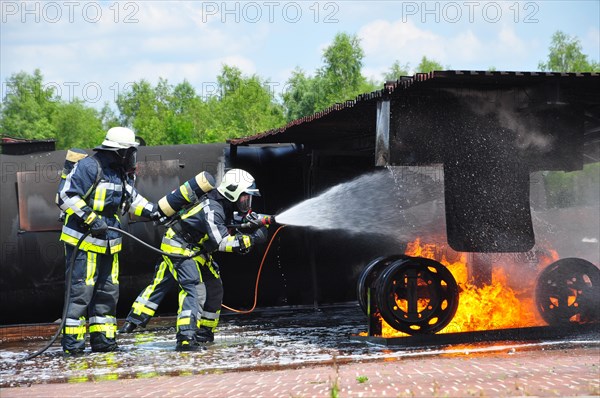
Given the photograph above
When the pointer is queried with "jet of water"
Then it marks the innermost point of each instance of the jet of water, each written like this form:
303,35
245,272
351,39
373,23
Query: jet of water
403,202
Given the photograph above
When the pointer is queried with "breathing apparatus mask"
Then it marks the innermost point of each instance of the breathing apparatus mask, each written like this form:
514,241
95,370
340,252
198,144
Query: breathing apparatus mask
127,159
244,203
121,142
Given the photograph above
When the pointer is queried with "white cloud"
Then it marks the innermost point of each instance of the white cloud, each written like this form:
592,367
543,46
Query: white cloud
384,42
593,43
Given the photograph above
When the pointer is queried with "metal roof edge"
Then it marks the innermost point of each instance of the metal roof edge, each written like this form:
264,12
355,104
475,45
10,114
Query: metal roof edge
402,83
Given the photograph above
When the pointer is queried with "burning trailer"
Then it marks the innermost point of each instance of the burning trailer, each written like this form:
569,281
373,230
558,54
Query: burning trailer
491,136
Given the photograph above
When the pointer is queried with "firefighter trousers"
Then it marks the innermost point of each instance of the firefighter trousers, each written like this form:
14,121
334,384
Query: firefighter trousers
210,295
93,297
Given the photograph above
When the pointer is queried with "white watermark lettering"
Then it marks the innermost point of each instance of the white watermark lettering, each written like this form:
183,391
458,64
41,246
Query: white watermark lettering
68,11
269,11
469,11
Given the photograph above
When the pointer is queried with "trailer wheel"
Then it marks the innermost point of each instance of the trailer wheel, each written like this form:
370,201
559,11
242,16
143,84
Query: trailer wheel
568,291
369,275
417,295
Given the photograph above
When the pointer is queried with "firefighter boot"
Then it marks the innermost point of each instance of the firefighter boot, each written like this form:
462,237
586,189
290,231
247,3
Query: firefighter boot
73,344
187,343
205,335
128,327
101,343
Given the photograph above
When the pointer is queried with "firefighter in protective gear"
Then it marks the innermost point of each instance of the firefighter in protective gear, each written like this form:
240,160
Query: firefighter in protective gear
173,205
94,192
145,305
203,229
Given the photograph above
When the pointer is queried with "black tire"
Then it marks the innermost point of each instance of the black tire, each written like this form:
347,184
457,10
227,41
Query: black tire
568,291
368,276
417,295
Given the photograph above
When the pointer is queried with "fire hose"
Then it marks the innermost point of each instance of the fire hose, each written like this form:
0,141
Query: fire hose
69,281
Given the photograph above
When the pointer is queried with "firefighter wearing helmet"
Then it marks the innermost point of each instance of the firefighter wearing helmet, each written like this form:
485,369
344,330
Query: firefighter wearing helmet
94,192
203,229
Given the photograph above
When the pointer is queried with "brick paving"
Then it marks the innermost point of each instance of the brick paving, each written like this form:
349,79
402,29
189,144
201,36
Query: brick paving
541,372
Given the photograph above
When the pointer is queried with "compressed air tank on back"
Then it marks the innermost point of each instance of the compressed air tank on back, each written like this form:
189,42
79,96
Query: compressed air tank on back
187,193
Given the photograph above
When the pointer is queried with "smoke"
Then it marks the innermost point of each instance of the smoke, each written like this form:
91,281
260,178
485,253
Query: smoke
399,202
502,104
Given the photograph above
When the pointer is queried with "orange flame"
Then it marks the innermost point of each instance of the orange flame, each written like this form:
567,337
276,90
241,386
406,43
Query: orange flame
486,307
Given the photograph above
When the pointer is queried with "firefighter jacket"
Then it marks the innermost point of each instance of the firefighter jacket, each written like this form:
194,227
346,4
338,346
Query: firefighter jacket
203,228
112,193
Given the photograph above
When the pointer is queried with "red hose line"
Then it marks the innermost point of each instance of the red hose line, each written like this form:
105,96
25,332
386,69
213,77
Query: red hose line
262,262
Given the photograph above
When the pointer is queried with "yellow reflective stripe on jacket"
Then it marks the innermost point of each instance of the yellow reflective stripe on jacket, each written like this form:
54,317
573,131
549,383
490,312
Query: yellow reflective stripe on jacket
139,204
174,247
90,243
194,210
80,204
85,245
99,198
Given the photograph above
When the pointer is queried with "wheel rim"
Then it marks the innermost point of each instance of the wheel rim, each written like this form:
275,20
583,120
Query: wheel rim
568,291
417,295
368,276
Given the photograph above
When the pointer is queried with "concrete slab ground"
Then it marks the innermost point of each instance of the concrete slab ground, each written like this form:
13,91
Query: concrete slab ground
542,372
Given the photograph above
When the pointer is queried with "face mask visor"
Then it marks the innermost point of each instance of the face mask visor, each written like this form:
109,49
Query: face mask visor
244,203
128,159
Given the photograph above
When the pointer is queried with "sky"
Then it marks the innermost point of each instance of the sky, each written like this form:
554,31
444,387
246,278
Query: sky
94,50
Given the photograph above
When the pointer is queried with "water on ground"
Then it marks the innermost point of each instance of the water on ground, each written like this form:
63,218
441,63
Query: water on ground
266,339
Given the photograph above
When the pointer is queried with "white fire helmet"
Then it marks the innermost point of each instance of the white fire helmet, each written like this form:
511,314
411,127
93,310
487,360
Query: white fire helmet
120,138
235,182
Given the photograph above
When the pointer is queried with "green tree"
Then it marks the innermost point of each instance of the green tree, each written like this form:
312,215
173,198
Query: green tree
338,80
141,109
28,107
108,117
396,71
167,114
427,65
341,73
565,55
245,105
183,122
301,94
77,125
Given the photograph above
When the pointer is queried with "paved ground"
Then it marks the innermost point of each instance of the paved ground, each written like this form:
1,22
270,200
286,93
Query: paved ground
304,353
540,372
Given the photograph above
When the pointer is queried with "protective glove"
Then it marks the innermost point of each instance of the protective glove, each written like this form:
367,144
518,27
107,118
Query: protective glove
260,236
158,216
245,243
98,227
254,221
